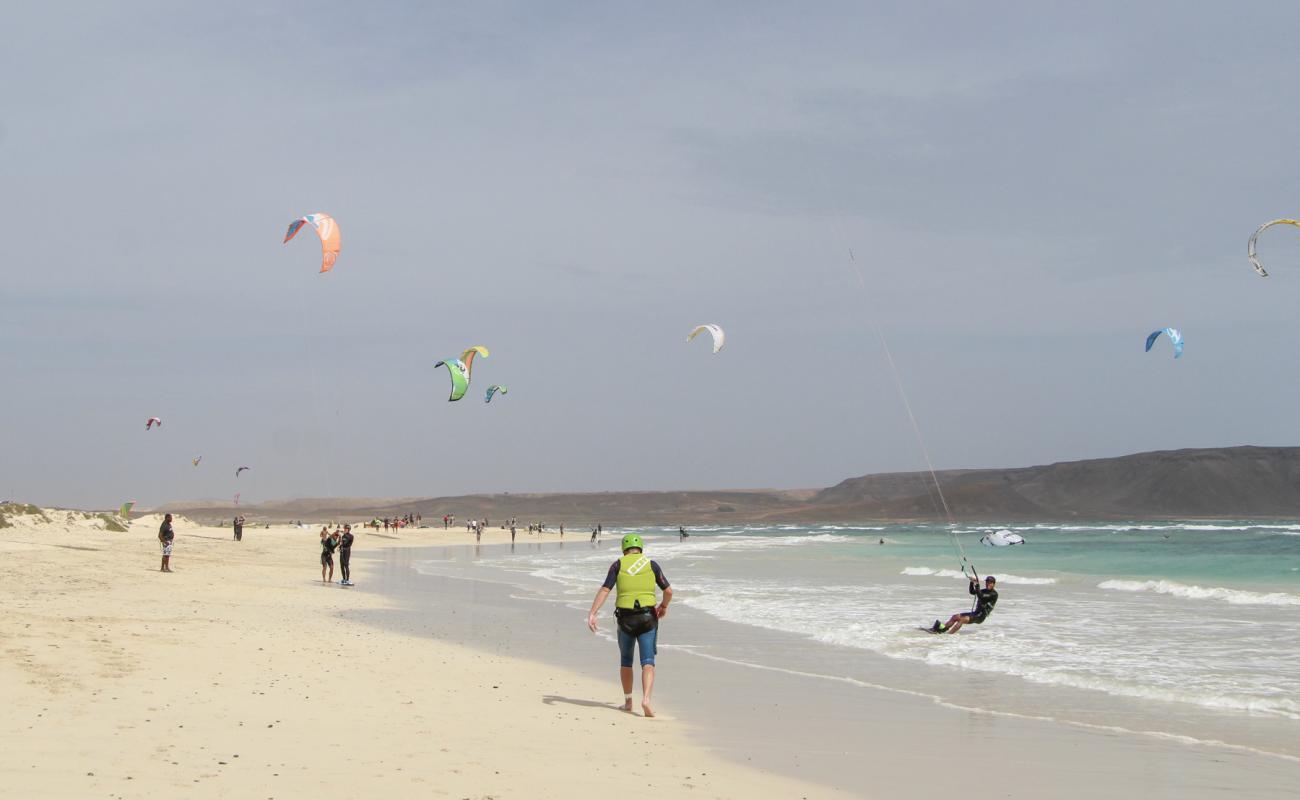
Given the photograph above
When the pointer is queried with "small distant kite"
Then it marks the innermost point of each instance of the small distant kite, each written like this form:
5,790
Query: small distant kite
236,498
152,421
494,389
327,229
1250,246
1174,335
195,461
241,469
468,358
125,511
459,377
719,338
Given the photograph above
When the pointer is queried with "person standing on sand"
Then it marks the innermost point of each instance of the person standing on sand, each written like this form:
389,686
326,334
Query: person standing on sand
593,534
326,555
635,577
166,535
345,555
239,528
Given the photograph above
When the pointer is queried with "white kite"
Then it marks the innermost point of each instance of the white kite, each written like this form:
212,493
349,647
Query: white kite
719,338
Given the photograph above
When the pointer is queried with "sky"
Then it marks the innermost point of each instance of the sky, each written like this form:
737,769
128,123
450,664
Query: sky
1026,190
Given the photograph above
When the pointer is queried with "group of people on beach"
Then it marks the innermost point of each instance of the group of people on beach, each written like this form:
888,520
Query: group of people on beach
340,540
396,523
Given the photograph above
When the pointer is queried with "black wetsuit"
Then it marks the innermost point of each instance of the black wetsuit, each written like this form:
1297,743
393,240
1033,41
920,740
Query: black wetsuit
984,602
345,554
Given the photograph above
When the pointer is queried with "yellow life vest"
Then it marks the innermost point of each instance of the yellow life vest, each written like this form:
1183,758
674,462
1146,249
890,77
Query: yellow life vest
636,581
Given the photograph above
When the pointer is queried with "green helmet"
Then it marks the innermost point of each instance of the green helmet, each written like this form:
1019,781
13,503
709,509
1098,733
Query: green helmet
632,540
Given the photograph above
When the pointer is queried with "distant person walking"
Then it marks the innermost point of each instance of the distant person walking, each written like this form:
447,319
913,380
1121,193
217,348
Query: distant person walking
239,528
345,555
166,536
635,577
593,534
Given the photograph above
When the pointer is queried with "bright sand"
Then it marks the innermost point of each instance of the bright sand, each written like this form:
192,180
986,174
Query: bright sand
238,676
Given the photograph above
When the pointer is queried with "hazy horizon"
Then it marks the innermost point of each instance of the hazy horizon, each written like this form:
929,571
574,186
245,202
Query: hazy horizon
1028,192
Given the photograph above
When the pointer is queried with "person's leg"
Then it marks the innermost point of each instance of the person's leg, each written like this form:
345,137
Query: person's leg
343,564
625,644
331,580
956,622
322,570
648,644
647,687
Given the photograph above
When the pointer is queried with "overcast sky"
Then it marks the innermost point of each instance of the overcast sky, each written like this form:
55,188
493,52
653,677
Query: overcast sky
1029,189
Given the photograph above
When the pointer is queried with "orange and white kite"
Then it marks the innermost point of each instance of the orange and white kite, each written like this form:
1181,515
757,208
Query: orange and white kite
327,229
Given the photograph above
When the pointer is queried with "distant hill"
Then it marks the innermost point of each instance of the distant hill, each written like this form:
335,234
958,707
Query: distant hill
1211,482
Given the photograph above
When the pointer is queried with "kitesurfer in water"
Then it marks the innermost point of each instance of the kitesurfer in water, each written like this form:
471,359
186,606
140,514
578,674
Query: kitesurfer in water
635,577
985,599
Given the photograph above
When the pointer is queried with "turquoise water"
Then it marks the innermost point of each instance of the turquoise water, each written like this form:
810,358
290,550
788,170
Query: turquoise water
1182,628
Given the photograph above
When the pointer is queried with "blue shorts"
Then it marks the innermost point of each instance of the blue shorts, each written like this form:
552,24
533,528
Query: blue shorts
646,641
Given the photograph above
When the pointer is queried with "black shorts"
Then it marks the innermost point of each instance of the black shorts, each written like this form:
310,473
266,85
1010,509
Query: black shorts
635,622
975,619
326,560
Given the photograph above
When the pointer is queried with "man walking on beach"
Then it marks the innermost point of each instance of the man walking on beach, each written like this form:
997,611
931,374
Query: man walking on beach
635,576
166,535
239,528
985,599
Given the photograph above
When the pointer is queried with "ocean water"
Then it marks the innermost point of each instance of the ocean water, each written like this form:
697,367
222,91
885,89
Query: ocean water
1187,629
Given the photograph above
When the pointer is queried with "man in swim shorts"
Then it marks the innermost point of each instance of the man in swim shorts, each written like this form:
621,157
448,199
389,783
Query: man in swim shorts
166,536
635,576
985,599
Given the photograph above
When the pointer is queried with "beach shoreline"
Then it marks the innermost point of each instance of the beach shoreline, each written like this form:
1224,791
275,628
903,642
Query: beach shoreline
241,675
845,733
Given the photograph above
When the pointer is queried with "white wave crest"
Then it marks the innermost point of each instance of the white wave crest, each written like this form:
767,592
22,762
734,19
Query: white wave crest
1238,597
1004,577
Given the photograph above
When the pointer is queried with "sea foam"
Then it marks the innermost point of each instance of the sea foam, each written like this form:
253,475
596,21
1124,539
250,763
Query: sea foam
1239,597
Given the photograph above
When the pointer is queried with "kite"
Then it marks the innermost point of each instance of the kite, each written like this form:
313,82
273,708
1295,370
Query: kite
468,358
236,498
459,377
195,461
327,229
125,511
241,469
1250,247
1174,335
152,421
719,338
494,389
1002,538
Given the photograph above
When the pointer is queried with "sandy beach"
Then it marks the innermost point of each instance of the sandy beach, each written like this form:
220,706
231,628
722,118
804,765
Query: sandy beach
240,675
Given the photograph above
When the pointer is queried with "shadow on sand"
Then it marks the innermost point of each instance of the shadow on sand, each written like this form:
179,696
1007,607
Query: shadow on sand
552,699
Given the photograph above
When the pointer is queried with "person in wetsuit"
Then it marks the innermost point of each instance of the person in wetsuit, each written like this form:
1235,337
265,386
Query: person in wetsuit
345,555
635,577
985,599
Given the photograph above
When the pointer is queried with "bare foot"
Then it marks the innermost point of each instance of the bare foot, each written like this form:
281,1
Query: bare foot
646,709
627,705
